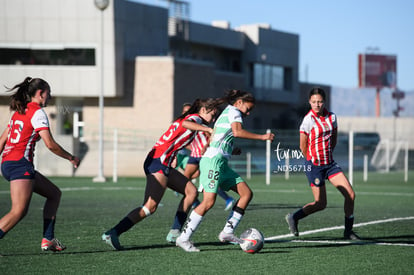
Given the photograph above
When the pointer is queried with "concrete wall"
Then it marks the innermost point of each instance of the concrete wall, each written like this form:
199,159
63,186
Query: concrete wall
139,126
48,163
391,128
142,95
50,24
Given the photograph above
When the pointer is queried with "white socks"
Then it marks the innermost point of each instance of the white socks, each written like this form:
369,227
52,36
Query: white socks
232,222
195,219
193,222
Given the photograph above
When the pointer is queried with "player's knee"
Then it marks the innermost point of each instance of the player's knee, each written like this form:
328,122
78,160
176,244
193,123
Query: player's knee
148,212
58,194
352,196
208,204
18,213
320,205
245,194
191,191
349,196
55,195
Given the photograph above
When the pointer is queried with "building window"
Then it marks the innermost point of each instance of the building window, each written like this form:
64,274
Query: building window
54,57
257,123
271,77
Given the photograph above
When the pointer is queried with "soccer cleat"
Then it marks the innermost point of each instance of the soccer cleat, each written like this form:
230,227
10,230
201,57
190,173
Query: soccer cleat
186,245
229,204
111,238
52,245
350,235
293,224
173,235
229,238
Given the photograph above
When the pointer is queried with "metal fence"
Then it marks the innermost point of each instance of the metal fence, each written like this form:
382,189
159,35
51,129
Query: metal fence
366,153
369,152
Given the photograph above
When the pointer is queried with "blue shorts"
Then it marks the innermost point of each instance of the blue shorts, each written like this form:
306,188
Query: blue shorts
318,174
152,165
193,160
16,170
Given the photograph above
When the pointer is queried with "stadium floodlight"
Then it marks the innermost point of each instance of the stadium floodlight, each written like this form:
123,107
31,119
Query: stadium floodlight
101,5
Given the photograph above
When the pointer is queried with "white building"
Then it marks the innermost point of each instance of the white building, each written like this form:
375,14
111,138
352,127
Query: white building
152,63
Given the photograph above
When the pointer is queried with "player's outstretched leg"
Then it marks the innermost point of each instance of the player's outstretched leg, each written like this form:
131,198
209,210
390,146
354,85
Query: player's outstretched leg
111,238
293,224
349,234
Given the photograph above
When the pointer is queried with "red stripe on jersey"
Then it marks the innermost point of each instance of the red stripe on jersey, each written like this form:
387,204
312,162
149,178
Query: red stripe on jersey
200,140
320,134
174,139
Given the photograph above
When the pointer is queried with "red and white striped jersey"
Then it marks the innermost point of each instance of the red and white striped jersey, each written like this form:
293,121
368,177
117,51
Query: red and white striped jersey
200,140
24,133
319,130
174,139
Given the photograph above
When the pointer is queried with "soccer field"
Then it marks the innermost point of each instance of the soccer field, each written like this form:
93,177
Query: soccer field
384,218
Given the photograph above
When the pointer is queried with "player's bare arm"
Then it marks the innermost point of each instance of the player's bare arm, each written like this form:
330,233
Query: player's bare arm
239,132
196,127
3,139
55,148
303,144
334,138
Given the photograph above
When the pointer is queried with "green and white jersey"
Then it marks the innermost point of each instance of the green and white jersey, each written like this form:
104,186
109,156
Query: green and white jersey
222,139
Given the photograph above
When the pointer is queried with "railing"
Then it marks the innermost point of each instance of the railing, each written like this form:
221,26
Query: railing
281,157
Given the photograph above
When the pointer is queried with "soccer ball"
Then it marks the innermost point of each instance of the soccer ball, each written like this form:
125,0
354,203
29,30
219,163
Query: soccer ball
252,240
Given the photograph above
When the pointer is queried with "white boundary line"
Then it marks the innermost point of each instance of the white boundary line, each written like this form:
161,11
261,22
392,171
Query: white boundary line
342,227
351,242
89,188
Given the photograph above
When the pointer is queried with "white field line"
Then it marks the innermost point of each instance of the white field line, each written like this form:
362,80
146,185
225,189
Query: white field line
342,227
350,242
91,188
337,227
88,188
336,192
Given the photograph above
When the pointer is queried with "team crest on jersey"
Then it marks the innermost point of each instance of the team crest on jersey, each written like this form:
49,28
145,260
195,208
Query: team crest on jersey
212,184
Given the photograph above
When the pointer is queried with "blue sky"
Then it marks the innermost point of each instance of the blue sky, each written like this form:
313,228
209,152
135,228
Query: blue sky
331,33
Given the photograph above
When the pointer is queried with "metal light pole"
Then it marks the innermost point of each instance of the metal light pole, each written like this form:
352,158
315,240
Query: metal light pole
101,5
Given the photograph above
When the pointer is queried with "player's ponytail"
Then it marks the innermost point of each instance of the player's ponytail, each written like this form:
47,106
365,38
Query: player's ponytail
209,103
195,107
233,95
24,93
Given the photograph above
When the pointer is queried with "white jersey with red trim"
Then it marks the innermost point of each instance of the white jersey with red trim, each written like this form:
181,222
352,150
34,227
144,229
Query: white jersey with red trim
199,142
24,133
174,139
319,130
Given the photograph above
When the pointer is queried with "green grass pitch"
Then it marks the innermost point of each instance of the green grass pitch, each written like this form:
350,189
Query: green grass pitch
384,217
